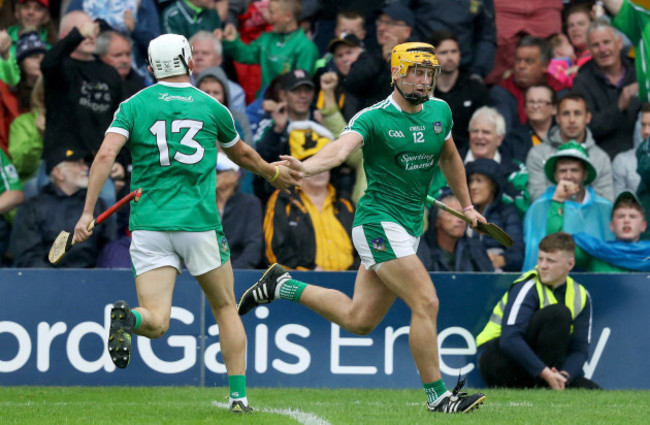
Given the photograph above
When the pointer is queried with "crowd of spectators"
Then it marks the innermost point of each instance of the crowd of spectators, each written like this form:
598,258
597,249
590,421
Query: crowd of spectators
549,101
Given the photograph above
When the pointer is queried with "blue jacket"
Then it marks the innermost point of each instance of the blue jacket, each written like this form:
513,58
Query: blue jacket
504,216
470,255
591,218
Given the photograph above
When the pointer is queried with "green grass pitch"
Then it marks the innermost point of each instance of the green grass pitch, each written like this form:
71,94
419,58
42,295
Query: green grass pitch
277,406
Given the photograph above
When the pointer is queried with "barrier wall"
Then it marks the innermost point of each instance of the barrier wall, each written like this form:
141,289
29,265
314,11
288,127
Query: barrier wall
53,325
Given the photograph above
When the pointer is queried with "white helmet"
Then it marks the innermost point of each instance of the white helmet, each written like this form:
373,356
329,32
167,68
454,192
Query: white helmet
169,55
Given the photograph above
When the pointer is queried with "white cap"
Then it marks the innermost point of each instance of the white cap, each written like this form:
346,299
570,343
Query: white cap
225,164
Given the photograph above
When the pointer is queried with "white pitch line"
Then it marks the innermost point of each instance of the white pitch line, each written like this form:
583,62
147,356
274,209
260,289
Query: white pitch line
302,417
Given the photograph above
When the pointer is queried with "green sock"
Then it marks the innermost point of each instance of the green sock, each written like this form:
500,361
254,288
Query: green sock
434,390
138,319
291,290
237,384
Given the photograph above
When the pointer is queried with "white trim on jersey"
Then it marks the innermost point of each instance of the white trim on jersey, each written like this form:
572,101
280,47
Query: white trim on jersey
179,85
512,317
118,130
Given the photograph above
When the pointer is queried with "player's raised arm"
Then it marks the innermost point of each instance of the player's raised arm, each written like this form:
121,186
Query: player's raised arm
332,155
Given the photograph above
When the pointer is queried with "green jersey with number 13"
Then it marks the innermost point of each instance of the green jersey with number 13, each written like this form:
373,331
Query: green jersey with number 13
172,131
400,153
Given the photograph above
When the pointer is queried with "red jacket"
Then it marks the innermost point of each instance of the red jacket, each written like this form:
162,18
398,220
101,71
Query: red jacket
510,85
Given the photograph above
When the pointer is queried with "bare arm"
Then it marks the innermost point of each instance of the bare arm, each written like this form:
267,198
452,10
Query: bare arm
246,157
614,6
10,200
454,171
333,154
99,172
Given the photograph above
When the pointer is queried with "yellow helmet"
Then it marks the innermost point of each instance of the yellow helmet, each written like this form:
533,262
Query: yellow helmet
416,54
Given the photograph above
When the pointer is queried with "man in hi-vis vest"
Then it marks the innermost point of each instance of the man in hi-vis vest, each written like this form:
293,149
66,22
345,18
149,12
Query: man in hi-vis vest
539,332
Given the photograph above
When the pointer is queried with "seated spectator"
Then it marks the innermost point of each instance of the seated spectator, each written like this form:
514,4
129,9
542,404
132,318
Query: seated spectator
345,51
563,65
541,108
445,247
624,165
29,54
532,57
241,217
40,220
214,82
207,53
369,76
625,254
571,172
310,228
576,21
572,118
31,15
115,49
463,94
544,340
187,17
11,195
486,135
631,19
26,140
485,182
284,48
610,88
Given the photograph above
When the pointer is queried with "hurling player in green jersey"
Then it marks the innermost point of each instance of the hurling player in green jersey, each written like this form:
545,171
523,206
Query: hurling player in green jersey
173,130
403,139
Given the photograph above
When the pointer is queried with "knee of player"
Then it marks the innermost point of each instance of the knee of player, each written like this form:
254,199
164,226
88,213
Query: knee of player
362,328
428,305
159,329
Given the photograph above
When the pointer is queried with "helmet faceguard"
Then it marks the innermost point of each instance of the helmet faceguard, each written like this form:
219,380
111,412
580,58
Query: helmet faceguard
420,58
169,55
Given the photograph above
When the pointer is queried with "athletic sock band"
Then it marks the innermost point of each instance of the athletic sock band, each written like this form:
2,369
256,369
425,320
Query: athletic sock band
237,384
434,390
138,319
291,290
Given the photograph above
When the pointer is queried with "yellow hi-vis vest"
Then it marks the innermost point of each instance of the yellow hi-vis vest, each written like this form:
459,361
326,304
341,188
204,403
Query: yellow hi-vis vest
575,299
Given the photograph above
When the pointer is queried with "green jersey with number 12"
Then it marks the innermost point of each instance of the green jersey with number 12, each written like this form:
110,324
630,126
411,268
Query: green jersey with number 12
400,153
172,130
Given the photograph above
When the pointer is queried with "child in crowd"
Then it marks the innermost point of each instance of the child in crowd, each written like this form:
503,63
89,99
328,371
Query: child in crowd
563,65
32,15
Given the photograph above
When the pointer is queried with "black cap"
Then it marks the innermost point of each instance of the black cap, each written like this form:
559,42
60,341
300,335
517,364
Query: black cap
345,38
29,44
399,12
626,195
296,78
62,155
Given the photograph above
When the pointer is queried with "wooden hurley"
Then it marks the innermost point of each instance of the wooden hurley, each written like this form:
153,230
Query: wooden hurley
65,240
489,229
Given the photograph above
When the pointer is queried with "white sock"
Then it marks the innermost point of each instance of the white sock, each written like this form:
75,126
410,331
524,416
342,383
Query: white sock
243,400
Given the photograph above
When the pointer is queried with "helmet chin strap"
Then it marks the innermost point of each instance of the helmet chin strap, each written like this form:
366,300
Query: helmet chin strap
412,98
187,68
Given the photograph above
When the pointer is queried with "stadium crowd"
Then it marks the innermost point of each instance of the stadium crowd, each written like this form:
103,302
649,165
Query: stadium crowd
549,100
